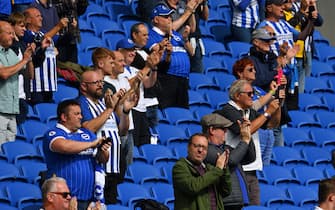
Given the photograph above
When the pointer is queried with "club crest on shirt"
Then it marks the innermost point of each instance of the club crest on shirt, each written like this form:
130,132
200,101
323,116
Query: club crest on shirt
52,133
85,136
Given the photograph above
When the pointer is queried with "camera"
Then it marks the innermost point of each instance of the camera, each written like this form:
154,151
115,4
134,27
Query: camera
310,10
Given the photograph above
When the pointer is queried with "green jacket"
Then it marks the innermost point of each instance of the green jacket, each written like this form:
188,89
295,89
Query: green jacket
191,189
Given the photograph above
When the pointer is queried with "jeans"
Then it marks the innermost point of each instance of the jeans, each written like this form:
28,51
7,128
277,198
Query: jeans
301,74
241,34
7,127
279,139
266,140
196,60
127,146
152,115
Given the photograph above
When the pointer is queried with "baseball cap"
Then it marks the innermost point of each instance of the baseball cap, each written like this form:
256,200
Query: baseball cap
275,2
161,9
215,120
125,44
263,34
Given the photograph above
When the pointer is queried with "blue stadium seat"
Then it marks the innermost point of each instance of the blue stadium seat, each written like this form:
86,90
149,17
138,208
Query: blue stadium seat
46,111
324,137
191,128
213,47
290,208
103,26
199,112
197,99
311,102
112,37
217,98
329,171
127,24
156,153
167,168
33,131
317,85
302,119
24,195
327,119
20,152
89,42
308,176
221,31
321,69
129,193
177,115
303,196
288,157
238,49
144,174
223,80
117,207
31,171
329,99
199,81
297,137
316,156
163,192
169,133
272,196
65,92
279,176
9,172
180,150
85,58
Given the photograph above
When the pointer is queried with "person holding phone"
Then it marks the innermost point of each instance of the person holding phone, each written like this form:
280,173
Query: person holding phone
198,185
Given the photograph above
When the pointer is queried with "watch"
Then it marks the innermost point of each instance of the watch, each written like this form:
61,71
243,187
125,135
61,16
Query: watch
267,115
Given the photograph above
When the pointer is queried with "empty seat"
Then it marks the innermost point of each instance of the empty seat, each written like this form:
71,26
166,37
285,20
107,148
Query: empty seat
200,81
155,153
143,173
272,196
288,157
327,119
303,119
169,133
129,193
297,137
317,85
65,92
46,111
279,176
316,156
324,137
20,152
177,115
303,196
311,102
308,176
238,49
33,131
163,192
24,195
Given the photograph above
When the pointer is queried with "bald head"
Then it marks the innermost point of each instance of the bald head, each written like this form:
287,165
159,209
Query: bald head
33,19
6,34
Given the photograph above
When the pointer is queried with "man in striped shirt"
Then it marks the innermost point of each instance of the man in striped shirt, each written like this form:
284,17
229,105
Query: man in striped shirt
71,152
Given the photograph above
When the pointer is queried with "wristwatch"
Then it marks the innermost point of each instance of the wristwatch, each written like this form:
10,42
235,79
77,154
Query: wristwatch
267,115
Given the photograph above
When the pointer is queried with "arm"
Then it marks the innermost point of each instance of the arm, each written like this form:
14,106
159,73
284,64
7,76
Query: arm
204,10
103,152
67,146
190,7
8,71
96,123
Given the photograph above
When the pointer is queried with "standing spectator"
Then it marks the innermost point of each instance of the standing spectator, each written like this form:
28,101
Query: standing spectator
239,109
71,152
140,35
198,185
326,195
147,78
67,43
16,19
201,13
174,82
214,126
10,65
45,80
246,16
244,69
99,116
306,18
48,12
5,9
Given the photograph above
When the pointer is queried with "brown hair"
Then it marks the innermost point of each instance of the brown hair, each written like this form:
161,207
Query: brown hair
100,53
239,66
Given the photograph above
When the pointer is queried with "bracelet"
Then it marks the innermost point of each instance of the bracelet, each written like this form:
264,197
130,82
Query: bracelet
267,115
124,112
272,92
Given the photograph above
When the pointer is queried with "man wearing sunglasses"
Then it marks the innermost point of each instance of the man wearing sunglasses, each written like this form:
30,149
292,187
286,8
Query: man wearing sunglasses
238,109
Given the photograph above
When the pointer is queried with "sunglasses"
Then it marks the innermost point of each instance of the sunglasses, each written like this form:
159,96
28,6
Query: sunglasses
250,93
63,194
251,69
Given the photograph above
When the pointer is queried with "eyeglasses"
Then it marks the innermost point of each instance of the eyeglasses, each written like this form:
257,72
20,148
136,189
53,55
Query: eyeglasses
98,82
63,194
199,146
250,93
251,69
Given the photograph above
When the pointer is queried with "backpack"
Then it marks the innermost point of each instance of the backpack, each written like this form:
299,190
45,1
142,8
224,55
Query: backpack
150,204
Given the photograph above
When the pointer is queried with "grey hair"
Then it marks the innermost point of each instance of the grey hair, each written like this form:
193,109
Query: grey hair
49,185
237,87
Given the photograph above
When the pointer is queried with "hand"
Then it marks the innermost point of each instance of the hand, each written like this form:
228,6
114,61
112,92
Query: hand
64,22
222,159
46,42
283,80
153,59
245,130
74,22
273,106
192,4
73,204
94,206
27,54
186,32
130,102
